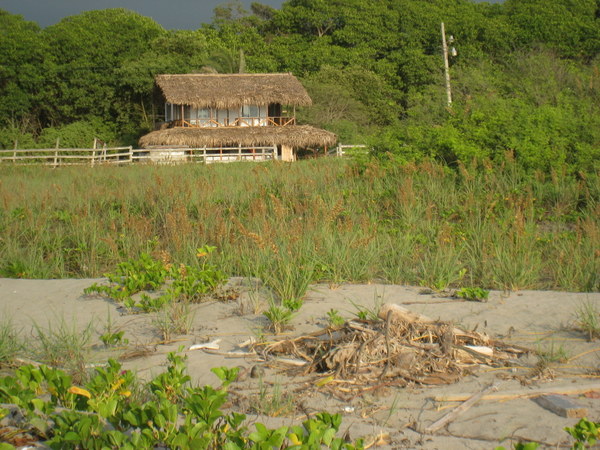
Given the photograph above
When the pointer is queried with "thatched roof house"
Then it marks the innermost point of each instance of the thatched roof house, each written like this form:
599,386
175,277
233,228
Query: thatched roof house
236,110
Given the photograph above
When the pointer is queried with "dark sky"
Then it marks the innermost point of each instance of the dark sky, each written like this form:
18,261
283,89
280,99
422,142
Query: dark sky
171,14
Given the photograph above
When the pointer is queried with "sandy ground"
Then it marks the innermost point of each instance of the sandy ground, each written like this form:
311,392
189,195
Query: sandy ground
535,319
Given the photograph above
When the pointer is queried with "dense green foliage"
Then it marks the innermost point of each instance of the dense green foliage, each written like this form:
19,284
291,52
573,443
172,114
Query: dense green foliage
487,226
526,78
168,412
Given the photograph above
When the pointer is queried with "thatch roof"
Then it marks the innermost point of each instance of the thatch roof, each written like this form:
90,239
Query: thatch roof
224,91
295,136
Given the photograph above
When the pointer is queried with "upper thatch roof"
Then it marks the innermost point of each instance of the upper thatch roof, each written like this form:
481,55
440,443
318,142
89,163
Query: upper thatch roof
232,90
294,136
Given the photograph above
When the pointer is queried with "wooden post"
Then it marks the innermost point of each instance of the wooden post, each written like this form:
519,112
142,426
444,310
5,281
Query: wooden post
130,153
94,152
240,152
446,65
56,152
15,153
287,153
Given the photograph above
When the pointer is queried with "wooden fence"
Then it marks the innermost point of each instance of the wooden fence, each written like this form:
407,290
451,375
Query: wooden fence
126,155
67,156
340,149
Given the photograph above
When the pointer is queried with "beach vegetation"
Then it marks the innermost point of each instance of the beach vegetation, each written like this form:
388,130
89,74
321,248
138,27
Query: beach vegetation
103,413
491,226
11,344
64,345
279,316
587,317
334,318
585,432
473,293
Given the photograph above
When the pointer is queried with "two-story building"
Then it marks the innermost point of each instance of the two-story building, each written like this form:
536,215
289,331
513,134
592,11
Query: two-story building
234,116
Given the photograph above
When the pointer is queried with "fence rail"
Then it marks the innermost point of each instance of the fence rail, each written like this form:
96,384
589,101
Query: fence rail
127,155
339,150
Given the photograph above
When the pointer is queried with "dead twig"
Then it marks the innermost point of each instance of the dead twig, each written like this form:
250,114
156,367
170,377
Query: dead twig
452,415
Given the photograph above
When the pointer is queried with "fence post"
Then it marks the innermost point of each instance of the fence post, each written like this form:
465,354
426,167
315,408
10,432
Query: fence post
131,153
56,153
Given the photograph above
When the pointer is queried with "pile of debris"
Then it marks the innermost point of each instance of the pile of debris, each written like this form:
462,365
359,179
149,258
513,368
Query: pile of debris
401,348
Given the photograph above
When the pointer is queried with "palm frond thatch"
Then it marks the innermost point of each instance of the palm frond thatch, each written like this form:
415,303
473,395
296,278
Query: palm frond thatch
295,136
224,91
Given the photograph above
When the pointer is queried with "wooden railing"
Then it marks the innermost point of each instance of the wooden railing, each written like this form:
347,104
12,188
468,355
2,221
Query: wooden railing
340,149
239,122
67,156
126,155
231,154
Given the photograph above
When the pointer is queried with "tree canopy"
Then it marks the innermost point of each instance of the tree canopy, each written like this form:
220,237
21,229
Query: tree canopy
526,78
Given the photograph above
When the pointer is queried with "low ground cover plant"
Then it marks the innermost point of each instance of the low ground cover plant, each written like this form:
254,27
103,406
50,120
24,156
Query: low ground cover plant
185,283
104,413
473,293
585,432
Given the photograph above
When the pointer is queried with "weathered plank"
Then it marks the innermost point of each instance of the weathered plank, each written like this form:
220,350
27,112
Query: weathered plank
561,405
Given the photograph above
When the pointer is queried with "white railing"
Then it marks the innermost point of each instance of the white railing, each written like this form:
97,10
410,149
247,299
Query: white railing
126,155
67,156
339,149
206,155
237,122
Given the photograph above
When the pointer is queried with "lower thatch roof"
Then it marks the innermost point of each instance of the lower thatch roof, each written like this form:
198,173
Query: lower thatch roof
294,136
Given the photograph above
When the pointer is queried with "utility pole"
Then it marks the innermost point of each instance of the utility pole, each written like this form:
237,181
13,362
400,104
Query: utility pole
446,66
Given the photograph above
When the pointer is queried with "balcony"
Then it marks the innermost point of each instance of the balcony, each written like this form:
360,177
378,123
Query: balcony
237,122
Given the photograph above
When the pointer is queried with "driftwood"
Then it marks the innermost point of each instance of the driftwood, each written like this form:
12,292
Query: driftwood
452,415
524,393
400,349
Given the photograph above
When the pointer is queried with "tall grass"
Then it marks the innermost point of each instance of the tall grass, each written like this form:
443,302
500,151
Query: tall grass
315,220
10,342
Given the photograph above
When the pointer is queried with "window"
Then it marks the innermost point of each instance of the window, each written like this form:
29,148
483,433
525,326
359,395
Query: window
250,111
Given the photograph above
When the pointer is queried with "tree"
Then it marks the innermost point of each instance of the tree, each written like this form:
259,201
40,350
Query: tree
570,26
86,52
21,74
